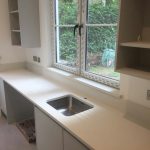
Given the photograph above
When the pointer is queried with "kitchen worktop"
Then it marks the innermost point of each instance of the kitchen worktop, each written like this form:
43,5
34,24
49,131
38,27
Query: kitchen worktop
100,128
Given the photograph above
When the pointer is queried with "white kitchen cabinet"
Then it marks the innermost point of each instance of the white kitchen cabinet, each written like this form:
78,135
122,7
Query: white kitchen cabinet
70,143
49,135
2,98
24,23
133,52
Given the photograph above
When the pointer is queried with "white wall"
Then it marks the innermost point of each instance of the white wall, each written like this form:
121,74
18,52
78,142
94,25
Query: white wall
8,53
135,89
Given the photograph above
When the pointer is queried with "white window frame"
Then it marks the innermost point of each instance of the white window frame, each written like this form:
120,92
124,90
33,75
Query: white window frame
99,78
81,47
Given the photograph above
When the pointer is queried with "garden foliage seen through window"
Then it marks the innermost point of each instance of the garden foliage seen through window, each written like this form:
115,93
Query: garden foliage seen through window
101,29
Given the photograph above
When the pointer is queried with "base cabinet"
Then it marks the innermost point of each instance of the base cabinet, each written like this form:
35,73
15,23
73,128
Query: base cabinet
70,143
48,134
51,136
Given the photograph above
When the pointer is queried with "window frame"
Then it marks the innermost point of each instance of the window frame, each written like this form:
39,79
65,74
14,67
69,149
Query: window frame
54,41
98,78
81,48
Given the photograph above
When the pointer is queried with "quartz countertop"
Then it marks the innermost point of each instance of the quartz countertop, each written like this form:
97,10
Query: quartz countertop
100,128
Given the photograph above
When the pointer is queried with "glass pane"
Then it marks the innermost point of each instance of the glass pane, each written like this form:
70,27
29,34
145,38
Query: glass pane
66,46
102,11
67,12
101,46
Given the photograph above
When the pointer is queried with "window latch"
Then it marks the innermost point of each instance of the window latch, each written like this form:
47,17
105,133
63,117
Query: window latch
80,27
75,28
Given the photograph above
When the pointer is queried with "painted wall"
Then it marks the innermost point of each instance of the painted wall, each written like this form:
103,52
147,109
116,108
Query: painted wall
8,53
135,89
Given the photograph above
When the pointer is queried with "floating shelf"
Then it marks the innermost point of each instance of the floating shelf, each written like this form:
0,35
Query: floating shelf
14,11
134,72
133,55
24,23
15,30
136,44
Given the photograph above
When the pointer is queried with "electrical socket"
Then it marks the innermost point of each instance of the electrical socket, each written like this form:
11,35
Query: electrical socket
148,95
38,60
35,58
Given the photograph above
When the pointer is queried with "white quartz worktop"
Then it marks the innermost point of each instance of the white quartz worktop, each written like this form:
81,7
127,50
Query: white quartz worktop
99,128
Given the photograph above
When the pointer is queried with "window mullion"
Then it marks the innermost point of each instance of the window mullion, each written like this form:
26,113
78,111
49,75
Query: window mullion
102,25
83,37
79,21
57,30
66,25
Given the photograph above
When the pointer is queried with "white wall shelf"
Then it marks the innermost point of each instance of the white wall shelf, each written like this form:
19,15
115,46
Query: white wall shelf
135,72
15,30
24,23
13,12
133,56
136,44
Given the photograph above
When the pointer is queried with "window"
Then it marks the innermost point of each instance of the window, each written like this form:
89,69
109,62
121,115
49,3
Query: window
66,47
84,40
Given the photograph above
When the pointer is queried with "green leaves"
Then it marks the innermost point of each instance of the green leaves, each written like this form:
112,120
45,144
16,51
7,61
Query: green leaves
68,45
98,38
67,12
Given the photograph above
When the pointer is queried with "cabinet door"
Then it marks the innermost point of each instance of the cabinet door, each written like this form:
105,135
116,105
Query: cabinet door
70,143
2,98
48,133
29,23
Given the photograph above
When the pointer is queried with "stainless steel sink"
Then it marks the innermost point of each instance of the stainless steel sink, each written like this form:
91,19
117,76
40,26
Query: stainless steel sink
69,105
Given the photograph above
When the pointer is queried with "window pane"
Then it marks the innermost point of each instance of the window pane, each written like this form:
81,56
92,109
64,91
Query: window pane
67,10
101,45
102,11
66,46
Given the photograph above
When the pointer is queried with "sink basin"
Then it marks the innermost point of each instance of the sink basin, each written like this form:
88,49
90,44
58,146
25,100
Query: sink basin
69,105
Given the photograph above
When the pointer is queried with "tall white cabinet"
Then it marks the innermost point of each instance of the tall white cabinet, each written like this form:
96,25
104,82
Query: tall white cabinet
24,23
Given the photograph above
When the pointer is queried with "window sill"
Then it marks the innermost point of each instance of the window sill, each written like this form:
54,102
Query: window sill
103,88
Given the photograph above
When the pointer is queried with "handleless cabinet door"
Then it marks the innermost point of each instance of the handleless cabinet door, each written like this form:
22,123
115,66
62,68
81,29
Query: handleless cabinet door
49,135
70,143
29,23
